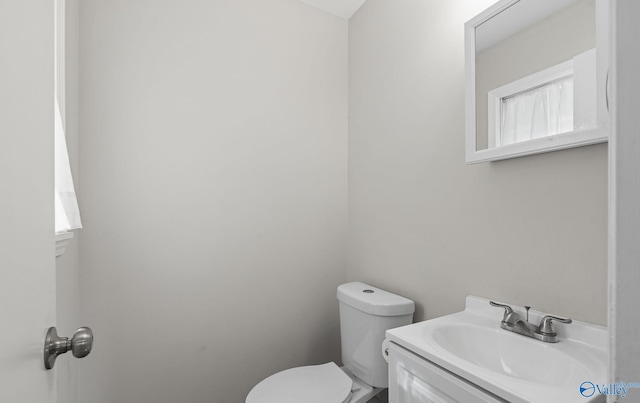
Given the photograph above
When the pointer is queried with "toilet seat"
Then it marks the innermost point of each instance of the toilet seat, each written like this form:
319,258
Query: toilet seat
324,383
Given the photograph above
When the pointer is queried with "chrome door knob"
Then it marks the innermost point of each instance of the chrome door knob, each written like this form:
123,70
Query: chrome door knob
54,345
81,342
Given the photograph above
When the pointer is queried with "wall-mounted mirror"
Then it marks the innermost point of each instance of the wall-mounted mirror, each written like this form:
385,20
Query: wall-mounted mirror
536,77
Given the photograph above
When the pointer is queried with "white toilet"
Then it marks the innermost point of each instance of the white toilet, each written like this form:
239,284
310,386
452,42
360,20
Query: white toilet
365,314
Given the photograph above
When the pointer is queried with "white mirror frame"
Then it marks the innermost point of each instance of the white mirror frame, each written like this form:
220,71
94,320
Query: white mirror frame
599,134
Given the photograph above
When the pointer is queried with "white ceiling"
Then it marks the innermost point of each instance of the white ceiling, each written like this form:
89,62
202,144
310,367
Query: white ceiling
342,8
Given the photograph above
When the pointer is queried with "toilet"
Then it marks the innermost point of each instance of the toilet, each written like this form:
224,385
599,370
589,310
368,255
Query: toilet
366,313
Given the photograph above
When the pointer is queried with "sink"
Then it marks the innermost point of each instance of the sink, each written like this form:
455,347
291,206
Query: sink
471,345
512,355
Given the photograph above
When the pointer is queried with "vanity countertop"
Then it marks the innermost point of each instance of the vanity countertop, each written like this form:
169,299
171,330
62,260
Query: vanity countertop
520,369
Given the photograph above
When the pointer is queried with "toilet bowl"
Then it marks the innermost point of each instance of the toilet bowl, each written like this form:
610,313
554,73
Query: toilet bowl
365,314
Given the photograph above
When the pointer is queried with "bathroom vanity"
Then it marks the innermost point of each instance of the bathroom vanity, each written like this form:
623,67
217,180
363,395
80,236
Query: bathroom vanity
416,379
468,357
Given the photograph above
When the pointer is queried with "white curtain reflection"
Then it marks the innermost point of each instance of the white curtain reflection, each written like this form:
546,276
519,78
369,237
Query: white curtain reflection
66,206
540,112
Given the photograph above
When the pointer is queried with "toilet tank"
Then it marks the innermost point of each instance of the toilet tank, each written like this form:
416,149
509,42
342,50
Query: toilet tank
366,312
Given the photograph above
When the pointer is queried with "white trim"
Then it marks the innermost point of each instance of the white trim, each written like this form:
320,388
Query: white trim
624,198
470,78
553,143
62,240
542,145
507,25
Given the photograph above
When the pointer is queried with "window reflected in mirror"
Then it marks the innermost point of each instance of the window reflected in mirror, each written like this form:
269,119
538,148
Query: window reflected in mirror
535,73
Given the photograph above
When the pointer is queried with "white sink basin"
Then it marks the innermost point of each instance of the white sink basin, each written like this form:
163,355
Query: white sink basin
471,344
512,355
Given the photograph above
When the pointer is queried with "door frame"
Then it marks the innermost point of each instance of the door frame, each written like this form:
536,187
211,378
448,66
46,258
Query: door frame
624,195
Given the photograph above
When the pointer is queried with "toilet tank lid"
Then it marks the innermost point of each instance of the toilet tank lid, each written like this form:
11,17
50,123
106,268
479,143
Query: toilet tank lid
373,300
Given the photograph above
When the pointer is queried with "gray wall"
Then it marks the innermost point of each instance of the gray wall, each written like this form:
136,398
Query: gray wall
529,231
213,189
214,194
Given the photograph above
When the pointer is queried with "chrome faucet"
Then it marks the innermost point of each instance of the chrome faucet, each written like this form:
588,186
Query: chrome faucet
513,322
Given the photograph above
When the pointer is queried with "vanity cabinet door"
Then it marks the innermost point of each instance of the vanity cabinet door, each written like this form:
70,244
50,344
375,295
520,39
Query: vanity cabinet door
412,379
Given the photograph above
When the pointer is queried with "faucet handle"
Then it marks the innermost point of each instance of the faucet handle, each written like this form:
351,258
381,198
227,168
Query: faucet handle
545,331
546,326
507,309
510,317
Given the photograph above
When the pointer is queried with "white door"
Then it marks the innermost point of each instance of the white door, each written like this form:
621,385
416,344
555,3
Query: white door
27,285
